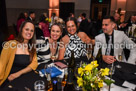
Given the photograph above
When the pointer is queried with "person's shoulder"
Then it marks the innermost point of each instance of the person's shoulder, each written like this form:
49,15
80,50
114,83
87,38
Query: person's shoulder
10,43
65,39
46,38
82,33
119,32
99,36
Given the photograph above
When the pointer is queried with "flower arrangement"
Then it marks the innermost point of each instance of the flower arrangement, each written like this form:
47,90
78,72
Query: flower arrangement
48,19
91,78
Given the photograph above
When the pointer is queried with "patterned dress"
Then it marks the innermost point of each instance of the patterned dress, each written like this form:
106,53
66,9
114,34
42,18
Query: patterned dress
76,45
43,50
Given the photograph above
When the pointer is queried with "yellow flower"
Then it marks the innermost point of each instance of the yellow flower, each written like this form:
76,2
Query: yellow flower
94,63
105,71
91,76
88,67
80,71
49,20
100,83
92,85
80,81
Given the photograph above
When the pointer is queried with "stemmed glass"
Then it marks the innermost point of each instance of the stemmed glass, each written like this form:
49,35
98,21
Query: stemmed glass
53,57
119,58
89,53
77,75
39,85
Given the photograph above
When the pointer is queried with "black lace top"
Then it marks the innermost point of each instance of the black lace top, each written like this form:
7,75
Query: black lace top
76,45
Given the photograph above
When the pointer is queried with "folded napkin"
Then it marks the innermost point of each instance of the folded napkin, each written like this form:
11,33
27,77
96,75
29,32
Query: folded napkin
52,70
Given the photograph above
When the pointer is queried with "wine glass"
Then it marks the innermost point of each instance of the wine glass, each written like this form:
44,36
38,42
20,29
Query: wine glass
39,85
119,59
111,69
89,53
77,88
53,57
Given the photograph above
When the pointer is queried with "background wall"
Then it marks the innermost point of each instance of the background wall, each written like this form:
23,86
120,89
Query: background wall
128,7
15,7
80,6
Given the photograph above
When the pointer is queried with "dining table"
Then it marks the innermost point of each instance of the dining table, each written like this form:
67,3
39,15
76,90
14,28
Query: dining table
127,72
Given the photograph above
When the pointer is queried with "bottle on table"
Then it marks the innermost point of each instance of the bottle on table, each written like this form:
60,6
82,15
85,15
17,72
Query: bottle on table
99,58
70,82
130,32
71,63
49,85
64,80
134,35
55,85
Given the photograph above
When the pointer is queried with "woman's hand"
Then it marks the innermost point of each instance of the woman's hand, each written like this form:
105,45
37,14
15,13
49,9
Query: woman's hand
13,76
108,59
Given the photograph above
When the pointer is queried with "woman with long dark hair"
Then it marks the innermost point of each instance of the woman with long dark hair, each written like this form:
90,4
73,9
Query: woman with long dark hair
18,56
74,41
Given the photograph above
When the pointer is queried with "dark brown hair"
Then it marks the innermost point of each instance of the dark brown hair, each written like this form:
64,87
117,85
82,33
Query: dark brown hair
74,20
110,17
31,42
61,28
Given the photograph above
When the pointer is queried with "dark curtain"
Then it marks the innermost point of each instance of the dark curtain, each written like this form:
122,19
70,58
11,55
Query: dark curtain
3,22
3,15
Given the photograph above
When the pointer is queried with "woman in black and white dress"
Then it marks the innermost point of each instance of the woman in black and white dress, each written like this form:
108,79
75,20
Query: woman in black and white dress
48,46
74,41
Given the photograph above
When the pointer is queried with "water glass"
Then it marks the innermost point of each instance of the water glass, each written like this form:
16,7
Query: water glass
111,69
77,88
39,86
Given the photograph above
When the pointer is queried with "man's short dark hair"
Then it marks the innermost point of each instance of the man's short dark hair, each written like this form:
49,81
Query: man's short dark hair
31,12
110,17
83,14
70,14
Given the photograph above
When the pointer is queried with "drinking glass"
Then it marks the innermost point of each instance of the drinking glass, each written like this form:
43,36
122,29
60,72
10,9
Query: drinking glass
119,59
111,69
53,57
39,86
77,88
89,53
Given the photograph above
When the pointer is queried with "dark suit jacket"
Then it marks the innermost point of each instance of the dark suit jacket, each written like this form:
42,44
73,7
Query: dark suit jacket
29,19
84,25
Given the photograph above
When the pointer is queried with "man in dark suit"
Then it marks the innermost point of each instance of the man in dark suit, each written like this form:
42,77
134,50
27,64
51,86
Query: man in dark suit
84,23
31,16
